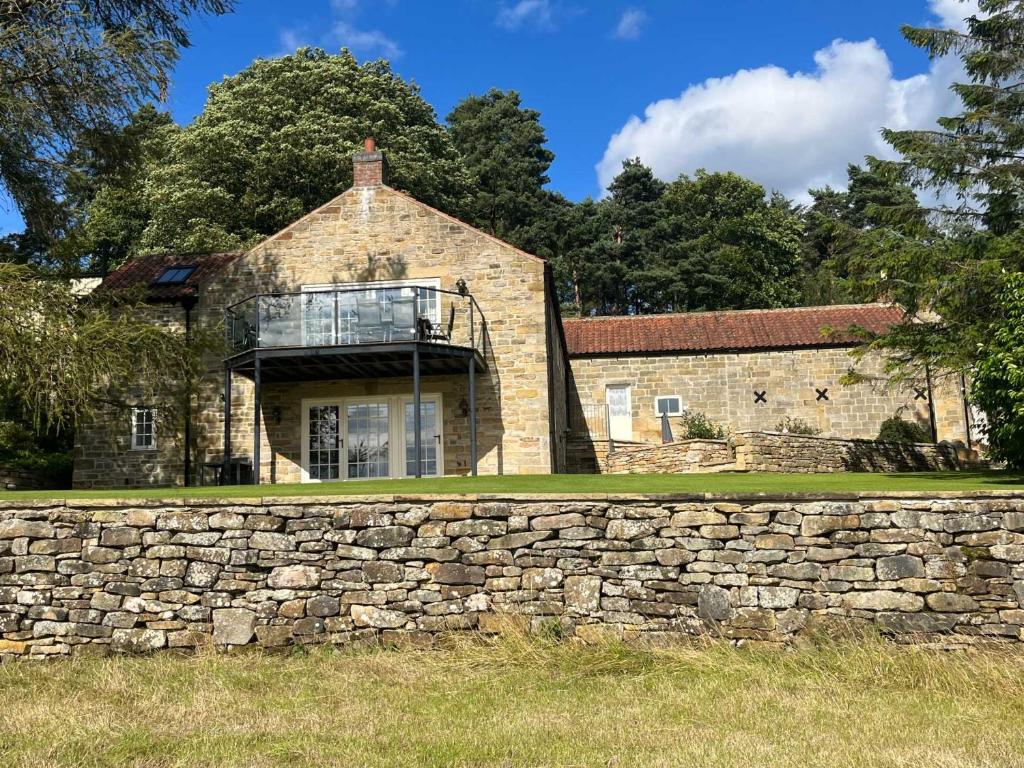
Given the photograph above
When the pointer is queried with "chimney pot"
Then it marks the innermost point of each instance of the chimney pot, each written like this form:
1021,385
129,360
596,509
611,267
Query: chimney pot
369,144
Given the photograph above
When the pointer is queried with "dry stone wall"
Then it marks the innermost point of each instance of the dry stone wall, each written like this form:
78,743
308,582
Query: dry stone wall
777,452
17,479
681,456
139,576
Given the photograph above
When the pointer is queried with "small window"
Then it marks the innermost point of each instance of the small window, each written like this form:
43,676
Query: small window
174,275
143,429
669,405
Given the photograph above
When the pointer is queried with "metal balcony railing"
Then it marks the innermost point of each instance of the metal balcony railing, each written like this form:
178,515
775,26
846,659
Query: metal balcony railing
355,316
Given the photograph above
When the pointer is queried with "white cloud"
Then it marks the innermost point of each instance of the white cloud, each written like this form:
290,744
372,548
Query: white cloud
536,13
291,40
630,24
787,130
951,13
343,32
368,42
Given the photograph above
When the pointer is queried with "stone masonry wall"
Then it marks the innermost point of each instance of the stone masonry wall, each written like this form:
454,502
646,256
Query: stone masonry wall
371,234
776,452
364,235
722,386
93,576
681,456
104,457
15,479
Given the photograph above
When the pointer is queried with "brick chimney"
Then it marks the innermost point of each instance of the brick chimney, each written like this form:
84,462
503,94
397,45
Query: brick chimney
369,168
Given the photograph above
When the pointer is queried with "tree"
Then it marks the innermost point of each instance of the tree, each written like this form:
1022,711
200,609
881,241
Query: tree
502,145
714,241
998,380
605,245
953,272
978,155
837,227
275,141
578,229
731,247
60,354
70,70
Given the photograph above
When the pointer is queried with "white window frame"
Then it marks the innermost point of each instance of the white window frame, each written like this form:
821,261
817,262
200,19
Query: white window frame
135,446
682,406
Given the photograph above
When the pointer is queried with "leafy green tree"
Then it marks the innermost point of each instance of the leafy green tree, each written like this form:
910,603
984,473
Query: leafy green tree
998,380
61,356
70,70
731,247
502,145
713,241
978,155
111,205
275,141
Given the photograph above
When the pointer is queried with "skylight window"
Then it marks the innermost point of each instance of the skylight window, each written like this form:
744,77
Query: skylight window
174,275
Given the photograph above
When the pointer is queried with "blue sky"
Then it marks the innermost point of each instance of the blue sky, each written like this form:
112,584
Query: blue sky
786,93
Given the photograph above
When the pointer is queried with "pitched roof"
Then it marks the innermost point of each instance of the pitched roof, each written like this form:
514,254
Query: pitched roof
144,270
742,330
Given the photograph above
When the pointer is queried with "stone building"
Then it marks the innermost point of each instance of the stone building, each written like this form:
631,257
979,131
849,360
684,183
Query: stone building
749,370
338,325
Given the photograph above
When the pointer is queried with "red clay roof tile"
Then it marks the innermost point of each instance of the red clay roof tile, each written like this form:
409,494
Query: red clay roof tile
697,332
143,270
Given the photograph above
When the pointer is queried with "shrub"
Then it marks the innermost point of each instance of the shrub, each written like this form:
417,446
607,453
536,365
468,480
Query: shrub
998,386
897,430
697,426
796,427
19,449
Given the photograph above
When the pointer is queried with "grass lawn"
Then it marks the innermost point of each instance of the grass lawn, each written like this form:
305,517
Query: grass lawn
689,483
519,703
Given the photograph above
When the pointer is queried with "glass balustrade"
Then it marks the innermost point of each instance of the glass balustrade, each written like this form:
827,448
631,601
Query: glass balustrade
351,316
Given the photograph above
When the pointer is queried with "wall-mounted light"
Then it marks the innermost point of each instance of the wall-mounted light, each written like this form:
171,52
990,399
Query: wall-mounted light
275,414
461,287
463,408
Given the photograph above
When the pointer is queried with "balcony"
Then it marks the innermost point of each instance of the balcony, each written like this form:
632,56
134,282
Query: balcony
373,331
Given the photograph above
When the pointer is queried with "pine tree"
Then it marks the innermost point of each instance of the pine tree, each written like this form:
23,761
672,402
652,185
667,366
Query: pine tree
502,145
952,270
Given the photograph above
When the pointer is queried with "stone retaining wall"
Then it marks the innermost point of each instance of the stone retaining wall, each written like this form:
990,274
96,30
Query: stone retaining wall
137,576
12,478
680,456
778,452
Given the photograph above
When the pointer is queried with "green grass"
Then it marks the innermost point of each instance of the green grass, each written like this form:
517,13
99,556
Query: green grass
769,483
520,703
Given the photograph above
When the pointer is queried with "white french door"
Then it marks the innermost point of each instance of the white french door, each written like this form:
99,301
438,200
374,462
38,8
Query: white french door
430,436
361,438
367,440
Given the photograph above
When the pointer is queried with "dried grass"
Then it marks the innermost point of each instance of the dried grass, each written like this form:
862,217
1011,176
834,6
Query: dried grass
517,701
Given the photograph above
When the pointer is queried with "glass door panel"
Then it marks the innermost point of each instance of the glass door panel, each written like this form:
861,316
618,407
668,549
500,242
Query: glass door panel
430,439
324,442
368,443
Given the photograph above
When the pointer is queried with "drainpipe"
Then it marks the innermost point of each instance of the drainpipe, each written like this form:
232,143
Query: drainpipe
931,404
188,305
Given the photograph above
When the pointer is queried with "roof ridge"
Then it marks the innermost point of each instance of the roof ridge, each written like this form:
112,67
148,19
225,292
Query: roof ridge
709,312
